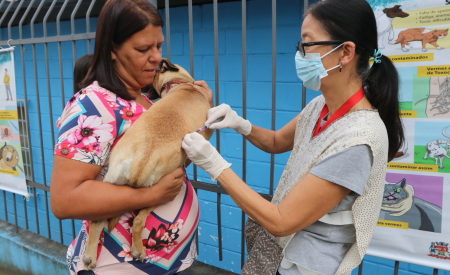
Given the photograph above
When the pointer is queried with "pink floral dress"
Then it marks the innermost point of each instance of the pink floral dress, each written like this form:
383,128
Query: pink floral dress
90,125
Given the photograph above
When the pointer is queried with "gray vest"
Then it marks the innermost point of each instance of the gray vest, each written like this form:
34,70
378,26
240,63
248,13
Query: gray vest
356,128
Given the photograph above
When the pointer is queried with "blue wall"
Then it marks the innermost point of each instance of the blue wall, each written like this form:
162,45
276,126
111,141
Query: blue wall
259,102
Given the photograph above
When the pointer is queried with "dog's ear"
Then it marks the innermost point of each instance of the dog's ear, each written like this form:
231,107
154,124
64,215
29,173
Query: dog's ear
165,65
396,7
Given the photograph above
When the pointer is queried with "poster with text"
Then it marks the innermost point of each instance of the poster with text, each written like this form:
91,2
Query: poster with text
12,177
414,220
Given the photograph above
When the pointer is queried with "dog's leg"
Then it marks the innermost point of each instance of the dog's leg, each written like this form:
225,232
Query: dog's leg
112,223
441,166
137,248
391,36
90,255
380,41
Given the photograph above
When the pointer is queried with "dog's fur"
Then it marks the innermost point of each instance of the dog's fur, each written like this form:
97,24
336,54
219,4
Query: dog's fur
384,23
151,148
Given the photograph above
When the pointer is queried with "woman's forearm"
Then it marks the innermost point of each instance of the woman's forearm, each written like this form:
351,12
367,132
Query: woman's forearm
263,139
96,200
274,142
256,207
75,195
298,209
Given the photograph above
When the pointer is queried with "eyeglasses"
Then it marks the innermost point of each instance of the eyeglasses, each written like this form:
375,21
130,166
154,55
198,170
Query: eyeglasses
301,46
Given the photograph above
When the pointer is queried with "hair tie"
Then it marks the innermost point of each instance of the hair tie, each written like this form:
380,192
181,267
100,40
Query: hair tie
377,54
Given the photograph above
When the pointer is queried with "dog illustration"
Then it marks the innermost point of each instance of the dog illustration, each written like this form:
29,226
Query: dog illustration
384,24
426,36
151,147
434,150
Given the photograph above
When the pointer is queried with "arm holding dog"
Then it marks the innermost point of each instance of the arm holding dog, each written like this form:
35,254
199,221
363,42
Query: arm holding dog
76,195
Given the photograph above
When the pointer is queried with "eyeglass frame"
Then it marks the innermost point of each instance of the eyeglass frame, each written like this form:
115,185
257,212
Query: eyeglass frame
301,46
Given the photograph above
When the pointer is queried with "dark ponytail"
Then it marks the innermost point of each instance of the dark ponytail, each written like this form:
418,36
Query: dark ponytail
354,20
382,85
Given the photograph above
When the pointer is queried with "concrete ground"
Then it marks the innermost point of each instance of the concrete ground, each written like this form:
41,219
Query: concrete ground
25,253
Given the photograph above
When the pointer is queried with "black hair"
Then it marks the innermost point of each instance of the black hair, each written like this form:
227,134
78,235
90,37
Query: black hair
354,20
80,70
118,21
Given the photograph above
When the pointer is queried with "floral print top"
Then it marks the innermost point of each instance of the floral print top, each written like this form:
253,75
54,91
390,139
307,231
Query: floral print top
91,124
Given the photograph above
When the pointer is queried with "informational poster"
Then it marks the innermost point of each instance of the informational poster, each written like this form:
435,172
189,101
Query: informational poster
12,177
414,221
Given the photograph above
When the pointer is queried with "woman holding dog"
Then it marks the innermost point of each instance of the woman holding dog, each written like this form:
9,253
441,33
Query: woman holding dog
127,53
326,205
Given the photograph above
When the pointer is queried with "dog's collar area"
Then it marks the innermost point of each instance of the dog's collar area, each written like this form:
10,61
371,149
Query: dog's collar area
168,85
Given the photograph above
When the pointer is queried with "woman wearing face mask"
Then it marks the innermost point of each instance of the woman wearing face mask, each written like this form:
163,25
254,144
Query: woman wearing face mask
324,211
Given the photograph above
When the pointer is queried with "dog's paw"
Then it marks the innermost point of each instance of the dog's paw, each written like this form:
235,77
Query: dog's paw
138,252
89,262
405,50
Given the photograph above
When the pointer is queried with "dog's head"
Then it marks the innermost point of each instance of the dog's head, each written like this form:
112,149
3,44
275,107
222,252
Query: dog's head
395,11
166,72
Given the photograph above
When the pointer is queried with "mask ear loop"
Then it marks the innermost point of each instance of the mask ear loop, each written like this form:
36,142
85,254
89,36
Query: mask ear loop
331,51
340,65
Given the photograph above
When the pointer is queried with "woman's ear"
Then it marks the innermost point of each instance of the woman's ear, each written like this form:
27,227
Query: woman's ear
348,52
113,52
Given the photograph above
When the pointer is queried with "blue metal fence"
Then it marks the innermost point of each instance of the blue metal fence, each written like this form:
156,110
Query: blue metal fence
49,36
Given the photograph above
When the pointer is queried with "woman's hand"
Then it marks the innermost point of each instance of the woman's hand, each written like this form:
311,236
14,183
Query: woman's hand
231,120
202,86
168,187
204,155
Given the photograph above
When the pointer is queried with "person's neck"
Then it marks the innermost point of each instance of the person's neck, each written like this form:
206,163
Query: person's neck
338,94
134,92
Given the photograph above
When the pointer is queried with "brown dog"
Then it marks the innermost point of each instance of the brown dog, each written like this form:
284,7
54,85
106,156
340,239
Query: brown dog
384,24
151,148
426,36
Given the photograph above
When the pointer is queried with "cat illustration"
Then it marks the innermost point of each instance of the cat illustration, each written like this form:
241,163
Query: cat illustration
425,35
399,204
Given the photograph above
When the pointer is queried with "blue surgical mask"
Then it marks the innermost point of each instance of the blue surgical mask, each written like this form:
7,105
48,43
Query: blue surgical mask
310,68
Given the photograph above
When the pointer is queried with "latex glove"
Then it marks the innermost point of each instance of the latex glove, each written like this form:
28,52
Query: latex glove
204,155
231,119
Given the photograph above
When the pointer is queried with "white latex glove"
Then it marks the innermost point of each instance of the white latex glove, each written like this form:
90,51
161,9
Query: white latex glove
231,119
204,155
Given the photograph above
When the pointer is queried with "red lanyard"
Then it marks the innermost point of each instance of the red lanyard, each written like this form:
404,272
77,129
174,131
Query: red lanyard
339,113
